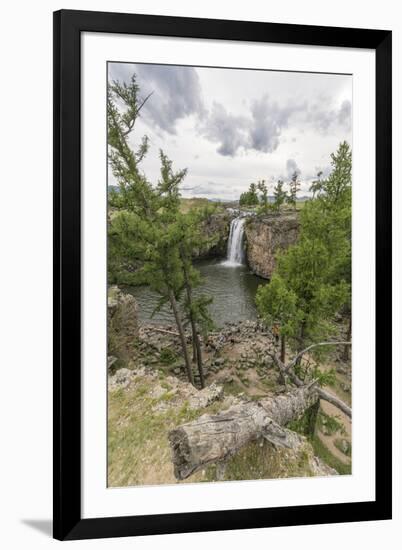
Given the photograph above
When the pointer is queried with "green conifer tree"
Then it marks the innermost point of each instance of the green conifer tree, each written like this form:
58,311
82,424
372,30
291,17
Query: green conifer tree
312,278
146,226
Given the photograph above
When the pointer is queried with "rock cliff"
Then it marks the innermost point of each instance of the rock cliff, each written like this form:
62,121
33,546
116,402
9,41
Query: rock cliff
216,230
265,237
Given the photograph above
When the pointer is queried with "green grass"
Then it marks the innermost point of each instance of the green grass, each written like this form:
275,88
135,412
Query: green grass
258,460
138,446
195,202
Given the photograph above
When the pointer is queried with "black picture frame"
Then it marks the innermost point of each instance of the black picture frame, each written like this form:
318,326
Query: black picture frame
68,26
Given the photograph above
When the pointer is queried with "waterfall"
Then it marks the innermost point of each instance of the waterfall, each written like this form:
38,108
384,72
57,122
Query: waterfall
235,253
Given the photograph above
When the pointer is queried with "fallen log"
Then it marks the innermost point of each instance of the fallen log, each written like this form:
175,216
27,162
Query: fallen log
215,438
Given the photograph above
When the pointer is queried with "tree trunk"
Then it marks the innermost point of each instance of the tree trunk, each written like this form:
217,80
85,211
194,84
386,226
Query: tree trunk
215,438
301,344
194,349
197,355
182,336
312,414
282,379
283,349
346,349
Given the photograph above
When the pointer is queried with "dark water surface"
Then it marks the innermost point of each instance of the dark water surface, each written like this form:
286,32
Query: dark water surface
233,290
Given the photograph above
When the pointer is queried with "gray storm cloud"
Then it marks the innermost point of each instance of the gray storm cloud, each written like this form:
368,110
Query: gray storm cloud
324,119
230,131
260,130
269,119
176,92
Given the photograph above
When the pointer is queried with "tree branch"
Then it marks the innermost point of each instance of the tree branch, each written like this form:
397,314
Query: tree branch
299,355
143,103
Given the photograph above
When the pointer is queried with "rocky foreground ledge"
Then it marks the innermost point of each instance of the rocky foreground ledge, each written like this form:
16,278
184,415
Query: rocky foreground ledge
166,396
238,354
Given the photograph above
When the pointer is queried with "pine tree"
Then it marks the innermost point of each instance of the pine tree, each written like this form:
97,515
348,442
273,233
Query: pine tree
250,197
279,195
316,186
294,187
146,227
196,308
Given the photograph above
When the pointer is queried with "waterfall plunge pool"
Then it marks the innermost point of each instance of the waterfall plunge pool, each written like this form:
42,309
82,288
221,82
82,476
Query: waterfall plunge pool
233,289
229,282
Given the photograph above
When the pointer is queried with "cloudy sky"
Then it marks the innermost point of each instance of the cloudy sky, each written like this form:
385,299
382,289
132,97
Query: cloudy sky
230,127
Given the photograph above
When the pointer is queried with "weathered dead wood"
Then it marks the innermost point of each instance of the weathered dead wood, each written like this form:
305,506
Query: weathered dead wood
215,438
164,331
325,395
334,400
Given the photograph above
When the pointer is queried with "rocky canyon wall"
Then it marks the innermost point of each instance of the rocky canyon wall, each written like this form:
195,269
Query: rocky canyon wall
266,236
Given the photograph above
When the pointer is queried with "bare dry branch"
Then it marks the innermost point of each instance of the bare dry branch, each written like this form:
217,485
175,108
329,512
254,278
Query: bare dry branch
287,370
301,353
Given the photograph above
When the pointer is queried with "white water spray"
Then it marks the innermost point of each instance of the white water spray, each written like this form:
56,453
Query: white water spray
235,254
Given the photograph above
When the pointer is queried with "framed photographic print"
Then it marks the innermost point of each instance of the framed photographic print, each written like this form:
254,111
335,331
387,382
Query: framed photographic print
222,234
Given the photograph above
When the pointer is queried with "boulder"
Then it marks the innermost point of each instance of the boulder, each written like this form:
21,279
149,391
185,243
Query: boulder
121,379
